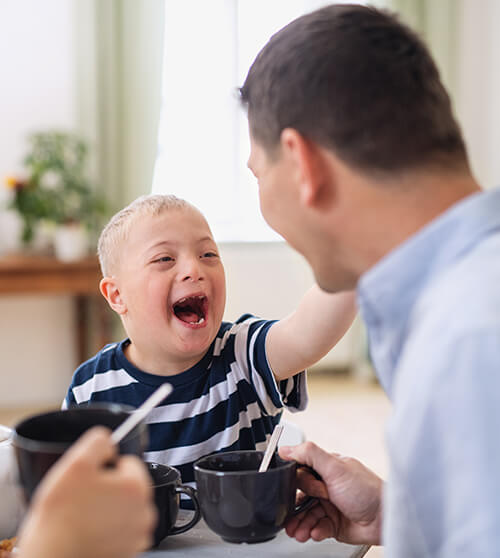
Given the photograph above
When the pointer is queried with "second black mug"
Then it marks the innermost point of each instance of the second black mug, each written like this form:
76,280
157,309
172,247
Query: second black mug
168,487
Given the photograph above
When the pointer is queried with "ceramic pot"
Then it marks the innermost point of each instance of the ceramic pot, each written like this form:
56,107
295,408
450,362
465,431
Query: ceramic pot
71,242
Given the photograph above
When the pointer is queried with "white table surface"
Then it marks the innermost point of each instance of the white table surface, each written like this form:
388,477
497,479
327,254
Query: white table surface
201,542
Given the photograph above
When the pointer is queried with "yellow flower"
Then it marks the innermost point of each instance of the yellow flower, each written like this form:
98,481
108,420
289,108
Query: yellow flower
11,182
14,183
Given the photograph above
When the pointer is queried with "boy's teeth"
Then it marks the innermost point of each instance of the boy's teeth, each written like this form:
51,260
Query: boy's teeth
201,320
182,300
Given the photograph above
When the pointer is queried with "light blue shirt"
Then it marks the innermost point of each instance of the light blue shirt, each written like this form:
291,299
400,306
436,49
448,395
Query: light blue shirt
432,311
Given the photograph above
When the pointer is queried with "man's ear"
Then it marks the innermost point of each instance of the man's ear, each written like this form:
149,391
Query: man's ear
110,291
310,169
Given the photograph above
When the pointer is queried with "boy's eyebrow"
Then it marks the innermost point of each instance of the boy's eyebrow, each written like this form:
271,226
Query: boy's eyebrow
205,238
173,243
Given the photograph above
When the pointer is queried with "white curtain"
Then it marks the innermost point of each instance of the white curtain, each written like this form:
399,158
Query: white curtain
204,146
118,73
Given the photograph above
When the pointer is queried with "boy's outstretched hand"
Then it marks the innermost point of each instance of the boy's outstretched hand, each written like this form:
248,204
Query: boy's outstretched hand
349,505
84,508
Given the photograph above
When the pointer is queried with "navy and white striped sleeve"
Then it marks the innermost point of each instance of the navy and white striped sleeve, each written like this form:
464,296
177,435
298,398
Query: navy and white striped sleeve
273,395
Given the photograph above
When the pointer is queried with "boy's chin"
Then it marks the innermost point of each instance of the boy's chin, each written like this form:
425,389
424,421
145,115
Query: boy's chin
199,346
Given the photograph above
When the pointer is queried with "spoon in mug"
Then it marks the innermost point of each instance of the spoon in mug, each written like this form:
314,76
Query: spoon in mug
126,426
271,447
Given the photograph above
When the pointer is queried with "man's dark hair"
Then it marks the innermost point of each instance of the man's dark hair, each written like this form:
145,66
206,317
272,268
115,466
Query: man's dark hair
355,80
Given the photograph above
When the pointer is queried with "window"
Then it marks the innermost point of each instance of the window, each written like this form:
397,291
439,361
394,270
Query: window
203,136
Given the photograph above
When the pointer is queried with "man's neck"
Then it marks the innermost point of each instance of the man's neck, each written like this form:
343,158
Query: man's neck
391,213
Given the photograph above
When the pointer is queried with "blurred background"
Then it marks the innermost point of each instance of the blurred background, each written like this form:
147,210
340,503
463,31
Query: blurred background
141,93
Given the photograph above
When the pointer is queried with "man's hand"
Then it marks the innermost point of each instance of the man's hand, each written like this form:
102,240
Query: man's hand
350,498
84,508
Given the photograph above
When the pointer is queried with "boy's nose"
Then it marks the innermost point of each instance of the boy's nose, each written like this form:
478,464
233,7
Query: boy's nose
191,270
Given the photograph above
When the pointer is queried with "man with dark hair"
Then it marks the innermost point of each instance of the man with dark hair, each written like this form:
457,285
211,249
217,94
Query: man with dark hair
363,169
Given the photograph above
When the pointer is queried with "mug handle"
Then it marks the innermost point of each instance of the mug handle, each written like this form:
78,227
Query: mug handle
191,493
308,501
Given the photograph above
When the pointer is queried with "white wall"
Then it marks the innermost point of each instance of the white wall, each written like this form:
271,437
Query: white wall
37,352
478,88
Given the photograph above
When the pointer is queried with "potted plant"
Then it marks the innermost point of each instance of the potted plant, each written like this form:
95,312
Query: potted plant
57,190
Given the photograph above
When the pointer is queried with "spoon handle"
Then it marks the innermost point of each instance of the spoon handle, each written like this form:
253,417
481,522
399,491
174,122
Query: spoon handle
151,402
271,448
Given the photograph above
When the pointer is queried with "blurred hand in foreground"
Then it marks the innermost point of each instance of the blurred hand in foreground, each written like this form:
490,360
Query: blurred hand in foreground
84,508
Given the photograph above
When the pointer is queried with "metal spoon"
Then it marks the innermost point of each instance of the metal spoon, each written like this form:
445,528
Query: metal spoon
271,448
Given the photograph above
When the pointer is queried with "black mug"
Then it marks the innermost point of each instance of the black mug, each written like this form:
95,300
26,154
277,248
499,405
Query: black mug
242,505
167,489
39,440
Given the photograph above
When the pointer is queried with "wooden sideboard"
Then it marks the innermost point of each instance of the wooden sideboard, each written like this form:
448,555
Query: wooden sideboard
32,274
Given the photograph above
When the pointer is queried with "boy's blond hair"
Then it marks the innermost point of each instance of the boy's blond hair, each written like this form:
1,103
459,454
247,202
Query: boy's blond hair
116,231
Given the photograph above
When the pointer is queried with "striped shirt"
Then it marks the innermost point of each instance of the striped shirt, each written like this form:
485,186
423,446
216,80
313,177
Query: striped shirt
229,400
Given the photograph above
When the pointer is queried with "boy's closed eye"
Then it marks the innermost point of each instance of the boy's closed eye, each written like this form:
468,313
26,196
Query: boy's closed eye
168,259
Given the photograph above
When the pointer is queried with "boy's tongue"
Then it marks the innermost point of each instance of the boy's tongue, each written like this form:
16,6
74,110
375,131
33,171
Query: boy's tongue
188,316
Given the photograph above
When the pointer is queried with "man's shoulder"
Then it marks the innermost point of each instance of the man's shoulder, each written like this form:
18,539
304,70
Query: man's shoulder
467,294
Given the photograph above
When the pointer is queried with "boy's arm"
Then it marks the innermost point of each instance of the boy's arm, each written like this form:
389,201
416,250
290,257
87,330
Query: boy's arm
306,335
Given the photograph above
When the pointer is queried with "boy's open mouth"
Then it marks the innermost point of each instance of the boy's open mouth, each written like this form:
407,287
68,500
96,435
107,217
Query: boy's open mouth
191,309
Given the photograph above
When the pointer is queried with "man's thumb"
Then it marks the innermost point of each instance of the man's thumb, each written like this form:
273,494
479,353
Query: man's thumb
308,453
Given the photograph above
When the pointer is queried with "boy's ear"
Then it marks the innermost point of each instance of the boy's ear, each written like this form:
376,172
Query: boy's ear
310,168
111,292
